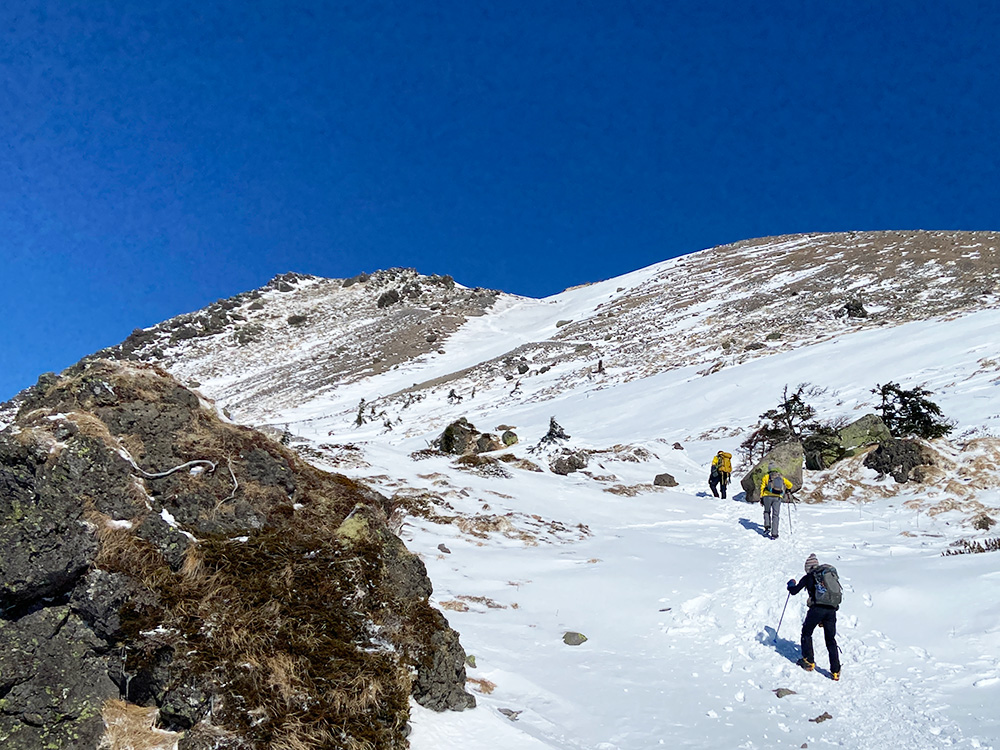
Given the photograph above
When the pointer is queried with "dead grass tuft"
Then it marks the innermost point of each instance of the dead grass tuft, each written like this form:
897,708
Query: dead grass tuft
120,550
131,727
483,686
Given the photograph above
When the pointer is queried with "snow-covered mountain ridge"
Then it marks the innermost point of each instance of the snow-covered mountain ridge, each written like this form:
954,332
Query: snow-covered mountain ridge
301,337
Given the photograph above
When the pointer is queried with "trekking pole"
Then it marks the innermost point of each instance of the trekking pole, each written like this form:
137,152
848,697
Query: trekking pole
790,513
782,616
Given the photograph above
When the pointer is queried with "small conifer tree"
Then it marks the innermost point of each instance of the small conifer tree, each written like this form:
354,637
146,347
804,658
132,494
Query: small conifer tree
792,419
911,412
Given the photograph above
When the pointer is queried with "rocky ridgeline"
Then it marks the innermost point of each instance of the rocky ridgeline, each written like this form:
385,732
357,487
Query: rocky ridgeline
264,351
166,565
302,334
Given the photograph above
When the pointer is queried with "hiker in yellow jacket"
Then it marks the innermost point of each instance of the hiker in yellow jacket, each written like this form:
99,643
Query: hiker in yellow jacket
722,469
773,486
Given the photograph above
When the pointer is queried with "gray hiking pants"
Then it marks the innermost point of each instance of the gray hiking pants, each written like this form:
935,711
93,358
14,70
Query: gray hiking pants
772,513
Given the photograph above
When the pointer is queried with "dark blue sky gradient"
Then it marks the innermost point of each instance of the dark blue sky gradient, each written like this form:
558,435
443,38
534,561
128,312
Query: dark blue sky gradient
156,156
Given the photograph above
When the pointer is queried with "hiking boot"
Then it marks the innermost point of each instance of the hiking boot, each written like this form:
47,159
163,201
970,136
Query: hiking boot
836,676
767,529
807,665
774,536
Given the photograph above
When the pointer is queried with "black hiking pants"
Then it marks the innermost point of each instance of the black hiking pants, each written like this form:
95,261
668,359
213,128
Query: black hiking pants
720,480
826,618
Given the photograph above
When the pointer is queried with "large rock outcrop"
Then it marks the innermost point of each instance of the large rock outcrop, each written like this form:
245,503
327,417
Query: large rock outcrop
823,451
157,554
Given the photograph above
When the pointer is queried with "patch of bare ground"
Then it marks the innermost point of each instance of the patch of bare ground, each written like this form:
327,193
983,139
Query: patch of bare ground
461,603
718,433
600,477
423,504
519,463
630,490
628,453
433,507
425,453
482,465
482,526
339,456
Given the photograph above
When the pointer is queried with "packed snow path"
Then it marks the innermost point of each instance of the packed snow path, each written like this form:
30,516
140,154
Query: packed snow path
679,605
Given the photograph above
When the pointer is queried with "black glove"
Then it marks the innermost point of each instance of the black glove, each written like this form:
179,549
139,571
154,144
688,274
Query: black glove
791,584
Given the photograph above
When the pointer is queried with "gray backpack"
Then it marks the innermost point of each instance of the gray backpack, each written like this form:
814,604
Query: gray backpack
775,483
828,589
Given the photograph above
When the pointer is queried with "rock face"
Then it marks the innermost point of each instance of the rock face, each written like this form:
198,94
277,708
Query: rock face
788,456
158,554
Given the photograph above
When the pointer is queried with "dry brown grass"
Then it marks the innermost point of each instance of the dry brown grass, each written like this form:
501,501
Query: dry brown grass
484,600
131,727
629,490
482,685
482,526
121,551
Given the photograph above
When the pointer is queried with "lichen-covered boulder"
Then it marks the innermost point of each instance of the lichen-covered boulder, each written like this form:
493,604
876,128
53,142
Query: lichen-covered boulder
457,438
789,458
487,442
822,451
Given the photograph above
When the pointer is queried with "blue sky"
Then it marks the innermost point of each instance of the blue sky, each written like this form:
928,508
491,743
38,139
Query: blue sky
156,156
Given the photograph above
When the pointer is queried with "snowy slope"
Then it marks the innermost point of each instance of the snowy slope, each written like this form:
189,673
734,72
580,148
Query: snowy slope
678,593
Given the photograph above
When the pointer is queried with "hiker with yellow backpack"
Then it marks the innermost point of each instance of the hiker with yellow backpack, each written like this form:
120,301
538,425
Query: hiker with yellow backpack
722,469
773,486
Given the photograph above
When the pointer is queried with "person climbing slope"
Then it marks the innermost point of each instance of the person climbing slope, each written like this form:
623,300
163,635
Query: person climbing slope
825,594
773,486
721,471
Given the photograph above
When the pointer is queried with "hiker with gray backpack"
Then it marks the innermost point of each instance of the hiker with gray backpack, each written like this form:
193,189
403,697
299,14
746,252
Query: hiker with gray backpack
825,594
773,486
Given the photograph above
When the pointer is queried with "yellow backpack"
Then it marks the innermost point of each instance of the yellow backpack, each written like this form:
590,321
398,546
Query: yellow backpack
725,462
